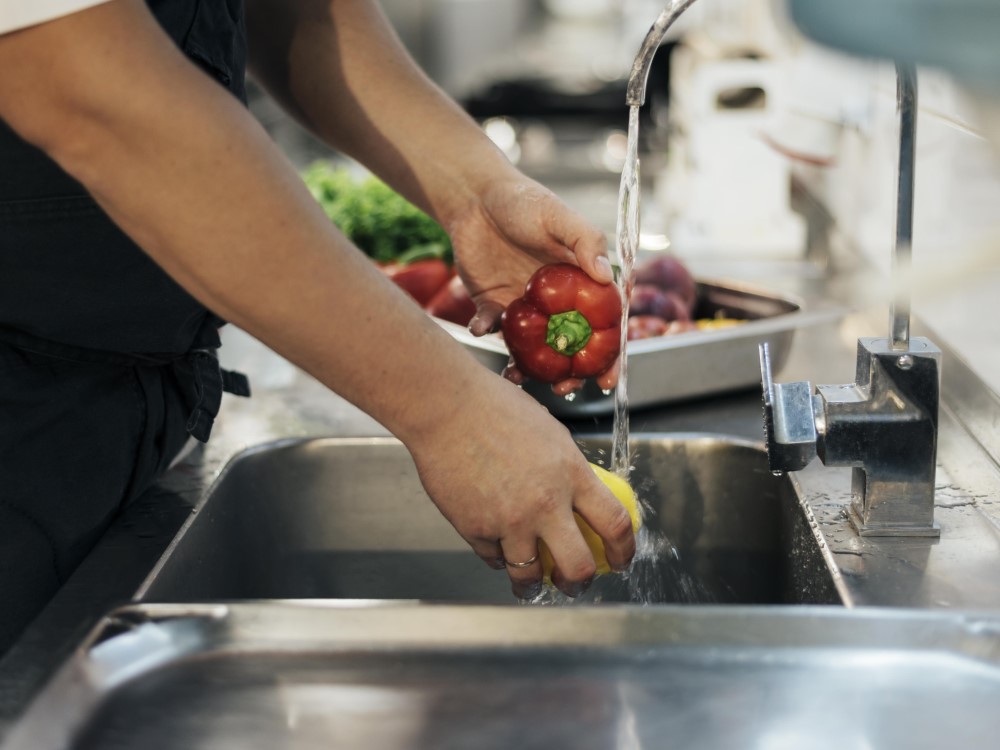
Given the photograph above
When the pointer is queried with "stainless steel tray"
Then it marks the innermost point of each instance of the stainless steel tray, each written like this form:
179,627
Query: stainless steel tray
681,366
310,676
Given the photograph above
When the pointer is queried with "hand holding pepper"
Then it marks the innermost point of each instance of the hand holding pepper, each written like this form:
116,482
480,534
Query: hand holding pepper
517,227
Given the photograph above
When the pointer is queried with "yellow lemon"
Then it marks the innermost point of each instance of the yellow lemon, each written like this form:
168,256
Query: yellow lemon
621,490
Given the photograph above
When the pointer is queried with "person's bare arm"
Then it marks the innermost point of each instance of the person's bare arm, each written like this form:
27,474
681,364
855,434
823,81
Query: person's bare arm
189,175
340,69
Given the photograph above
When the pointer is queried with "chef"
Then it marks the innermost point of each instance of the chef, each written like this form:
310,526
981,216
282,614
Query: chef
141,205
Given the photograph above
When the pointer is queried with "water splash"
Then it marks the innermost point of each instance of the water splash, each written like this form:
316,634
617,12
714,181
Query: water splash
657,574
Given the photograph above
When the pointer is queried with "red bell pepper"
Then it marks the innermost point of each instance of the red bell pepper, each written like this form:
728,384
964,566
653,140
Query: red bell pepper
565,326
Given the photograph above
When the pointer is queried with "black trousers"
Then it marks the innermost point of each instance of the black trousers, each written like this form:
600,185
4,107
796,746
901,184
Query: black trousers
78,442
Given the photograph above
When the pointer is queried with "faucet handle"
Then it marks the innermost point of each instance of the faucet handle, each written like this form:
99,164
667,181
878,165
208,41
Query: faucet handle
789,419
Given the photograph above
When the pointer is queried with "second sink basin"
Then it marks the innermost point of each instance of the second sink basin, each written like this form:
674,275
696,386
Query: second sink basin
349,519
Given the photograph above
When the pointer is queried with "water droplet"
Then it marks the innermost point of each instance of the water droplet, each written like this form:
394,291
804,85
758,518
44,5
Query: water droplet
777,473
606,391
571,396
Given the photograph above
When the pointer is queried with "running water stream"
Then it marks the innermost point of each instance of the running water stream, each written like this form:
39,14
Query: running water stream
656,573
627,248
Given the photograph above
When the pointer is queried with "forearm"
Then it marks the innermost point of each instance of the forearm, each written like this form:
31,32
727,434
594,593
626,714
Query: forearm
183,169
340,69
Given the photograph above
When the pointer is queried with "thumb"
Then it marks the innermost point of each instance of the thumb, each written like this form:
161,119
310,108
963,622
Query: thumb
487,318
588,243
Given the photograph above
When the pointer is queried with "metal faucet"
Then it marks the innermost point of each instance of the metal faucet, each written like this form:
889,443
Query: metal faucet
884,425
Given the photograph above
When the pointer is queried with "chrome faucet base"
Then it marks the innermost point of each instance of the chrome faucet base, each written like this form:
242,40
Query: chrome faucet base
883,426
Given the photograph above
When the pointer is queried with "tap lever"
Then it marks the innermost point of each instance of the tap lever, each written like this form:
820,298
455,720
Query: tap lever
789,420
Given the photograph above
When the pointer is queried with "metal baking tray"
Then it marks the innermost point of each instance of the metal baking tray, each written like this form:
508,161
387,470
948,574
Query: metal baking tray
312,676
681,366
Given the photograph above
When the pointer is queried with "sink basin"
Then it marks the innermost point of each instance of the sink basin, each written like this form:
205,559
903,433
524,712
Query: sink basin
348,519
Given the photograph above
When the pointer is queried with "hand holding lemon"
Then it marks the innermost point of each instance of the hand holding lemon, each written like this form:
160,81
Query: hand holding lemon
621,490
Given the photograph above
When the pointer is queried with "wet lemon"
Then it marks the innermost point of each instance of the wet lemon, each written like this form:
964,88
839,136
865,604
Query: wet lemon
621,490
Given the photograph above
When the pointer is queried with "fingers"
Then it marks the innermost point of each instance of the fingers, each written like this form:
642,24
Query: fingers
611,521
606,381
568,386
599,268
591,252
487,318
523,563
524,566
609,378
574,567
588,243
513,374
489,552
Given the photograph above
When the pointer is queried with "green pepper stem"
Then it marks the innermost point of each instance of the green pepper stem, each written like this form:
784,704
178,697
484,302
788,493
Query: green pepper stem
568,332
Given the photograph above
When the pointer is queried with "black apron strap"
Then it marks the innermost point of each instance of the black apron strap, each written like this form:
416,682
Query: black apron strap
210,381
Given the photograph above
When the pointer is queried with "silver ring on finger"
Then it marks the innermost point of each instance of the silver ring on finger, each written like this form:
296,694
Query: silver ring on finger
525,564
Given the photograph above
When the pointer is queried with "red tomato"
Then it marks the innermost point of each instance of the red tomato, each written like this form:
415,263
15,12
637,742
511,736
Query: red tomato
421,279
453,303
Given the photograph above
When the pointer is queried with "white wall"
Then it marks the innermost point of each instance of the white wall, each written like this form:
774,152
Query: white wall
956,246
845,108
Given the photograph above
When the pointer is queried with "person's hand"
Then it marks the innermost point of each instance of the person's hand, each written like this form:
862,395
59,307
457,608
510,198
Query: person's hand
518,481
516,227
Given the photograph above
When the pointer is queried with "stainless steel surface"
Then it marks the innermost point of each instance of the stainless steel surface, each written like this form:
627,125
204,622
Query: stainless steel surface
902,250
348,519
276,675
693,365
883,426
636,92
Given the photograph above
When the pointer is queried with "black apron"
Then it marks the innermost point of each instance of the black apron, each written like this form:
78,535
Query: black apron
106,364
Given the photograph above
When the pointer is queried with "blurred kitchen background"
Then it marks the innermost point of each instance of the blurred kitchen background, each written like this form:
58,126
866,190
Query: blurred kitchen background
758,147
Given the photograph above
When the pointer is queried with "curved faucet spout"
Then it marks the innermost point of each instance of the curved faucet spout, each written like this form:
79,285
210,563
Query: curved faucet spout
636,92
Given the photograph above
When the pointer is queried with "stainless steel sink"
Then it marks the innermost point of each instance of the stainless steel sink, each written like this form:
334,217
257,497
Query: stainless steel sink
348,519
339,676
